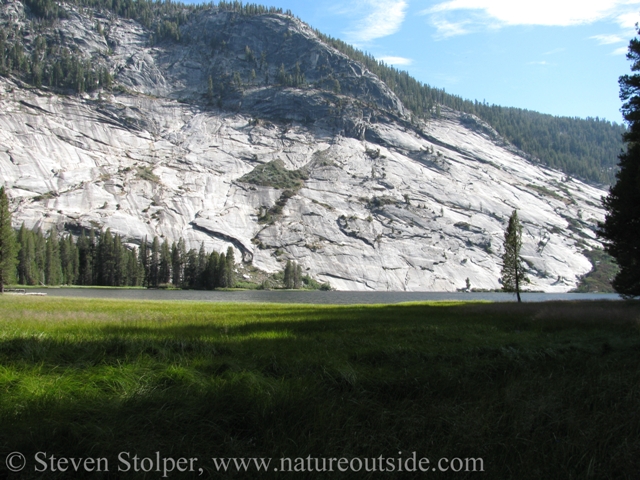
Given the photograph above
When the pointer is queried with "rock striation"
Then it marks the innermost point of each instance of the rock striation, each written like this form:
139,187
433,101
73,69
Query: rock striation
386,202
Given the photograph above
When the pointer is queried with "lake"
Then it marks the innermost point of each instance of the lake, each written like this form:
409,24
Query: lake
317,297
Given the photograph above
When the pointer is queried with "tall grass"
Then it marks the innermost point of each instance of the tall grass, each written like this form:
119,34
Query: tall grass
536,390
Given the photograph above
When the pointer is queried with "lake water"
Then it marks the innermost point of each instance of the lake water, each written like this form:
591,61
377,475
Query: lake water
317,297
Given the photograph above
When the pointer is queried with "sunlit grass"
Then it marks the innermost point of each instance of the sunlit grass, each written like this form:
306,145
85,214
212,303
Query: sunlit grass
536,390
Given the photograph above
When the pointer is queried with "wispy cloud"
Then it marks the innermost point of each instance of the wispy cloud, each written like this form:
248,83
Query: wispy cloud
389,60
446,29
554,51
541,62
608,39
381,18
490,14
620,51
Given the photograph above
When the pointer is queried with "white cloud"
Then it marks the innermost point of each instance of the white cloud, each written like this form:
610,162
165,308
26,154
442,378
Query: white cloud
542,62
396,60
485,14
445,29
382,18
620,51
628,20
608,39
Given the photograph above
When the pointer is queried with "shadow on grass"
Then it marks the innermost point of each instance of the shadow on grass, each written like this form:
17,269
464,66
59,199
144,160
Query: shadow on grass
558,314
536,391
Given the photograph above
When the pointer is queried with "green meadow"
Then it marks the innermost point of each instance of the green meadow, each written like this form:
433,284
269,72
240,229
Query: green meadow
548,390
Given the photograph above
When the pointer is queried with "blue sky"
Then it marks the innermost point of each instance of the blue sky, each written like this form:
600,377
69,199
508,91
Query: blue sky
562,57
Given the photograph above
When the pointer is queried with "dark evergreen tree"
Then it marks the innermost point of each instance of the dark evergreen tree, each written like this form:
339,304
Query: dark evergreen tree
69,260
63,248
85,247
203,261
231,266
143,260
41,254
222,271
297,276
134,273
621,228
288,275
52,268
106,260
119,277
178,254
27,269
191,269
211,274
164,272
8,244
154,263
512,268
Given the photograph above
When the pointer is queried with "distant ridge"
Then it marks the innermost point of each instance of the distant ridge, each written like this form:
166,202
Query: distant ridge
585,148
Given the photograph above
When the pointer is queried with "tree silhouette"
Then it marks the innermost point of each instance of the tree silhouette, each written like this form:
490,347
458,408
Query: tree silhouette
8,248
621,228
512,267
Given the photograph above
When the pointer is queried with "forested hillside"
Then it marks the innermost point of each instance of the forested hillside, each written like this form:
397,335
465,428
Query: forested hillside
584,148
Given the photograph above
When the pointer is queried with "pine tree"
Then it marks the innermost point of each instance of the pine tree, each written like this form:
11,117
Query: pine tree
231,265
52,269
297,276
105,260
212,272
177,263
85,259
288,275
621,228
222,271
165,263
41,254
191,269
27,268
133,269
69,260
143,260
203,261
512,268
119,277
8,244
154,263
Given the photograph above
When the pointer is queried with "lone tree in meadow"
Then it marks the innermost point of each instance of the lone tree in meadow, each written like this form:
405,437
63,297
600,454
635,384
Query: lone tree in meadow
621,228
512,267
8,246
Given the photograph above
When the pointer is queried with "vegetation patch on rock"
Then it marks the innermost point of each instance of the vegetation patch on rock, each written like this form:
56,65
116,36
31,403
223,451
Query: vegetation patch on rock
274,174
600,277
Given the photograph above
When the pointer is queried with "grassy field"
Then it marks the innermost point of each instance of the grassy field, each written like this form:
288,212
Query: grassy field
535,390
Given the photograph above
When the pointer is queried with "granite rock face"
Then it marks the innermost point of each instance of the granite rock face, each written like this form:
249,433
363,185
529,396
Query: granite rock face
386,203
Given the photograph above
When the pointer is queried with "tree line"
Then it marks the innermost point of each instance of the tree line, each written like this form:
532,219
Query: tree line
50,64
101,258
585,148
31,257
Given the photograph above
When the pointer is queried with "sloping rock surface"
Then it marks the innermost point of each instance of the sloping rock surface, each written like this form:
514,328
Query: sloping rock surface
387,204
